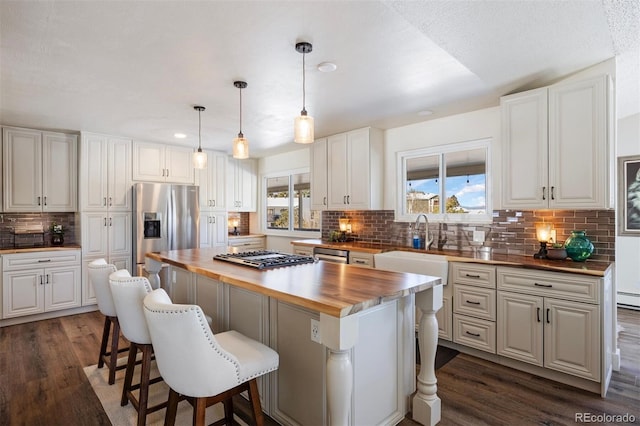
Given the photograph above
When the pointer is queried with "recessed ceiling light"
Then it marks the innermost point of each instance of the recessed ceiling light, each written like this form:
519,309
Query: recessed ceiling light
179,135
425,112
327,67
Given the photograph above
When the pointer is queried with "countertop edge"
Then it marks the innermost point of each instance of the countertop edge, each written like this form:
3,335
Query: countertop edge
17,250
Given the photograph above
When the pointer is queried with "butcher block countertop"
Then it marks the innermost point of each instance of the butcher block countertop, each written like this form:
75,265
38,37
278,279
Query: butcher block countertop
14,250
330,288
589,267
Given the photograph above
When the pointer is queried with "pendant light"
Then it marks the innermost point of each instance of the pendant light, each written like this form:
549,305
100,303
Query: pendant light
303,125
240,144
199,157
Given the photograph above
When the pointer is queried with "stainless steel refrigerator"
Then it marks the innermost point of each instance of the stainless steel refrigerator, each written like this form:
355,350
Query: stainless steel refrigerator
165,217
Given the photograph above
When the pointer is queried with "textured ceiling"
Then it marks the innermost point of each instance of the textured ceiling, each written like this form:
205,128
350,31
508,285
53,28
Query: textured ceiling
136,69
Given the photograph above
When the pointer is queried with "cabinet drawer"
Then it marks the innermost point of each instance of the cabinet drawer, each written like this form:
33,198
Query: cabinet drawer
303,250
246,244
40,259
472,274
474,301
474,332
541,283
361,259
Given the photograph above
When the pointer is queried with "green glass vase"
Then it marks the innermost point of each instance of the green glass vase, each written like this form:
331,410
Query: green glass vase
578,246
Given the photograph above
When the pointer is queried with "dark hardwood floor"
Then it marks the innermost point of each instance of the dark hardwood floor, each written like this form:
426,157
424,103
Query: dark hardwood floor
42,382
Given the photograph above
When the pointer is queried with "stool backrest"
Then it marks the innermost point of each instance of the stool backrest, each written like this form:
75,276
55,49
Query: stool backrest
189,358
128,293
99,271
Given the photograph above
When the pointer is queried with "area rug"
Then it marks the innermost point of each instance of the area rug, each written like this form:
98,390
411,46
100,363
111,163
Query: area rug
109,396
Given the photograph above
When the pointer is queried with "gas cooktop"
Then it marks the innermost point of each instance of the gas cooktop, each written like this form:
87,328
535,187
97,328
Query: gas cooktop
262,259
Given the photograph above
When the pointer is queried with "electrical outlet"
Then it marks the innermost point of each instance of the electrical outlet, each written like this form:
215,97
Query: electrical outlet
315,330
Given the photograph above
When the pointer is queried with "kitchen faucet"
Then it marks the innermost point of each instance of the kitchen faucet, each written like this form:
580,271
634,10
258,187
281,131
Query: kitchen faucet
428,241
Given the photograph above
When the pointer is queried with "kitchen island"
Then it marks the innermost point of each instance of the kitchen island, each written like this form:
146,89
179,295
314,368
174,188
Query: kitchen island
364,372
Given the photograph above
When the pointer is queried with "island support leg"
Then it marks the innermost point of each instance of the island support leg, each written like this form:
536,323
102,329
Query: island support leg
153,268
426,403
339,335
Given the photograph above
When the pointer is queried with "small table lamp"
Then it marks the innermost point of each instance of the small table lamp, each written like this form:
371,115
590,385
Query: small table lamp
235,223
543,234
345,228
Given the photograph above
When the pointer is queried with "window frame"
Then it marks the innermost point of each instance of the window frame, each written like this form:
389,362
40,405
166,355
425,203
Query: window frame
283,232
441,150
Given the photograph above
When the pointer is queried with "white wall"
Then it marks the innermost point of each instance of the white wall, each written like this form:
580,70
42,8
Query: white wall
480,124
628,248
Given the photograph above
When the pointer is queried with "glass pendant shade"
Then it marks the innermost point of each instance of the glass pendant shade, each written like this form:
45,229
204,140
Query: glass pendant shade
240,147
199,159
303,128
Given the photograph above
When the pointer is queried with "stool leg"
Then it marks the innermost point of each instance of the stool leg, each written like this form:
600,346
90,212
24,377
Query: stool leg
105,340
228,411
144,384
199,411
172,408
128,377
115,337
254,397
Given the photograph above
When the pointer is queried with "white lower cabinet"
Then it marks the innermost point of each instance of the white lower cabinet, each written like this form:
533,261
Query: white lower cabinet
556,334
474,305
248,243
34,283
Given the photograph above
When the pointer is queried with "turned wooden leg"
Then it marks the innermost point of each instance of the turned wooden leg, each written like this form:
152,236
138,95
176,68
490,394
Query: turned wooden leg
144,384
172,408
199,411
426,403
254,397
113,362
105,341
128,376
339,386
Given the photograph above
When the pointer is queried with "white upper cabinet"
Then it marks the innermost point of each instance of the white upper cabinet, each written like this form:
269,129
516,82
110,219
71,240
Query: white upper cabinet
242,185
153,162
354,172
105,173
319,193
556,146
212,182
40,171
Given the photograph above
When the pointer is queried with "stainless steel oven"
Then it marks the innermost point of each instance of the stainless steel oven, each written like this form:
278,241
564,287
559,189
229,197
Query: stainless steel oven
331,255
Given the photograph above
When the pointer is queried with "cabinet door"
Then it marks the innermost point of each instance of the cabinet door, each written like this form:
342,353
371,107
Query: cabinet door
243,195
22,293
358,170
318,151
520,327
213,229
209,294
59,172
212,181
578,146
93,172
179,164
525,150
119,229
181,290
61,288
572,338
22,174
148,162
95,234
337,172
119,175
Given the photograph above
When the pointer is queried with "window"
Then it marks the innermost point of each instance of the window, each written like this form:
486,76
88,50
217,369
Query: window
288,204
454,173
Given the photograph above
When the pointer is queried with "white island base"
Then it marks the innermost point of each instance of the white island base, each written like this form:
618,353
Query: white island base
361,368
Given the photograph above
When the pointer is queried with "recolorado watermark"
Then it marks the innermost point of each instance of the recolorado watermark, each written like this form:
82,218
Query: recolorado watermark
604,418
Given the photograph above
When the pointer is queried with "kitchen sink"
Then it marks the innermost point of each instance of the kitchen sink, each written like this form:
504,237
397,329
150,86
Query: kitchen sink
414,262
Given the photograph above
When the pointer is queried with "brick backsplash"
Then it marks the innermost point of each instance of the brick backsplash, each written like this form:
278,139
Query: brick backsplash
17,221
512,231
243,222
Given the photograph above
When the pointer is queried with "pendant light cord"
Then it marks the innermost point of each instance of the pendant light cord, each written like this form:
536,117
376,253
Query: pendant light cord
199,131
240,113
304,109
